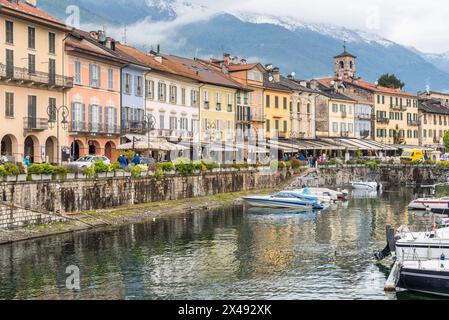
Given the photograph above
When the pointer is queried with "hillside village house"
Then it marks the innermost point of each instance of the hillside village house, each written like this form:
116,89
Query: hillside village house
335,114
394,113
277,105
33,78
94,101
171,96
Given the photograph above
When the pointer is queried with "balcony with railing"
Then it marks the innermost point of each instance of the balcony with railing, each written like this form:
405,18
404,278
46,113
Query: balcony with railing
344,114
23,76
133,127
35,124
413,122
383,120
395,107
363,117
78,127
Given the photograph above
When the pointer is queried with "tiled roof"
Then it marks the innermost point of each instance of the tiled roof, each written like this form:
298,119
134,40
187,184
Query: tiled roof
328,92
77,42
20,7
205,73
273,85
369,86
433,106
241,67
345,54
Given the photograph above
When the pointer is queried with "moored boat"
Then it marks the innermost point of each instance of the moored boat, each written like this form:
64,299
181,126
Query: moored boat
366,185
284,199
430,276
439,205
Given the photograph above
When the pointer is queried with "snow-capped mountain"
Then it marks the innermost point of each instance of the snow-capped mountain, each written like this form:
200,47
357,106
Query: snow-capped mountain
191,28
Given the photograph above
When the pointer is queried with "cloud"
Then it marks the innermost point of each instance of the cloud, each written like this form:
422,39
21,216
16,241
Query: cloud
421,24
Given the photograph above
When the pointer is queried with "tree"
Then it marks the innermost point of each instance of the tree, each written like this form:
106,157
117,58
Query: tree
390,81
446,140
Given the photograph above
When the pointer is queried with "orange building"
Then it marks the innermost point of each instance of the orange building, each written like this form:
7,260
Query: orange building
94,102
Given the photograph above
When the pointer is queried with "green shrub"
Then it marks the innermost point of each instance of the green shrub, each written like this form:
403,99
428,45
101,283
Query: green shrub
240,165
372,165
166,166
199,165
288,164
101,167
2,172
62,171
90,171
115,167
282,165
443,163
11,170
210,165
274,165
137,170
159,173
332,162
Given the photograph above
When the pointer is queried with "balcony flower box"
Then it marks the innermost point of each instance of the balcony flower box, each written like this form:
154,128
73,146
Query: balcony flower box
70,176
46,177
21,178
102,175
127,174
12,178
81,176
120,174
110,175
36,177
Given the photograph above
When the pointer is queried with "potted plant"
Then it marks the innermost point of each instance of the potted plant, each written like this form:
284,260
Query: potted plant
60,173
35,172
101,169
47,171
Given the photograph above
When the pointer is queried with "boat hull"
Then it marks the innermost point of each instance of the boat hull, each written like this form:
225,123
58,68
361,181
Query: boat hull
430,204
273,203
425,281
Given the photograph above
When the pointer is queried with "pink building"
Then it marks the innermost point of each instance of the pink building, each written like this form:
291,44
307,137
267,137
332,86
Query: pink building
94,102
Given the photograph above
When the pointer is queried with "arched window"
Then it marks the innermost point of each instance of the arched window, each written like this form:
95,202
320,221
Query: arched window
351,65
342,65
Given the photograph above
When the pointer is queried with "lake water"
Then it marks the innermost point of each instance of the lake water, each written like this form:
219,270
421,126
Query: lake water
229,253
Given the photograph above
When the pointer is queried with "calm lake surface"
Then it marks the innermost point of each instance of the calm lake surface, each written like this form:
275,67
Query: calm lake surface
230,253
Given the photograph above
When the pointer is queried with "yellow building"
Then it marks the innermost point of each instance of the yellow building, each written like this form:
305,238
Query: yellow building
335,114
32,79
434,119
396,117
277,105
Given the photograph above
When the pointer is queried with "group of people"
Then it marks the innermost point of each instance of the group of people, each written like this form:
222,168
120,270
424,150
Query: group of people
124,161
312,160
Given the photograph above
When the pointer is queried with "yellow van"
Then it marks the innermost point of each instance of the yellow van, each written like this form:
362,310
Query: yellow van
412,155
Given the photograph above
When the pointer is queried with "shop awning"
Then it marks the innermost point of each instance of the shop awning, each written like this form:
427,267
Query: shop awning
153,144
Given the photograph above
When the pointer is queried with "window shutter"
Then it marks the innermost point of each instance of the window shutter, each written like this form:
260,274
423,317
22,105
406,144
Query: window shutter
73,114
115,117
99,77
91,111
100,116
91,75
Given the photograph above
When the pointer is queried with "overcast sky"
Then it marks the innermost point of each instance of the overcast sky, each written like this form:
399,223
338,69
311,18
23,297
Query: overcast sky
418,23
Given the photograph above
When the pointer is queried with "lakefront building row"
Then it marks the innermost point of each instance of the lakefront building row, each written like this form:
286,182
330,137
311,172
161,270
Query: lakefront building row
66,93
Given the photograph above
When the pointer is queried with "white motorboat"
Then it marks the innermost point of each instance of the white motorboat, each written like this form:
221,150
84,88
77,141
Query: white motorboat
284,199
439,205
365,185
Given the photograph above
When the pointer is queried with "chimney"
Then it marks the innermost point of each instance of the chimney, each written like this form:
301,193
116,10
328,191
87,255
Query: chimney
276,74
110,43
226,58
158,49
94,34
269,67
303,83
101,36
313,84
243,61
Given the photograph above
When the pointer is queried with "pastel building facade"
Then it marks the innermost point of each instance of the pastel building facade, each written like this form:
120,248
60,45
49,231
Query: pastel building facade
32,79
95,100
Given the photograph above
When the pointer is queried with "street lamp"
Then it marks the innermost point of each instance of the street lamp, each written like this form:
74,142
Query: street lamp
150,123
54,114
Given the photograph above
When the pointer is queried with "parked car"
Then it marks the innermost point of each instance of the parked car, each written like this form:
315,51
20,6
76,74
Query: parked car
87,161
445,157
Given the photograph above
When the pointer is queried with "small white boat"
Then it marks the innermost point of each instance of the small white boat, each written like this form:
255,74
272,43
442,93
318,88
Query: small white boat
433,204
310,194
284,199
365,185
